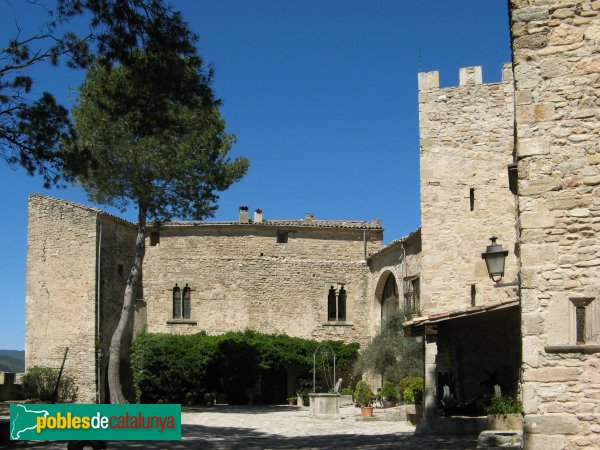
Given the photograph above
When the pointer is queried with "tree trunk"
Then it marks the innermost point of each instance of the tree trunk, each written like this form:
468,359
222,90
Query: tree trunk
116,343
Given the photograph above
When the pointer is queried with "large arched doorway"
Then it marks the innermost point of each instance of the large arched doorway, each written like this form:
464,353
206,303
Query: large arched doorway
390,301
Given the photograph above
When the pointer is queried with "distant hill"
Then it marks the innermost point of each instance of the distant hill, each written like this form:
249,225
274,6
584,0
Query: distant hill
12,361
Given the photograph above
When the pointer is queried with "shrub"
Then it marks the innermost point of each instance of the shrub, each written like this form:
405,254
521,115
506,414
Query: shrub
388,391
363,395
186,369
408,396
346,390
412,389
305,387
172,369
504,405
39,383
390,353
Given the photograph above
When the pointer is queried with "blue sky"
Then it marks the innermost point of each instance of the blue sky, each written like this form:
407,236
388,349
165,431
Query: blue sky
322,95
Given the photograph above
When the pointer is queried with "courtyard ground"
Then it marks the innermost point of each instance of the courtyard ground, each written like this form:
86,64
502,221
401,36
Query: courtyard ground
284,427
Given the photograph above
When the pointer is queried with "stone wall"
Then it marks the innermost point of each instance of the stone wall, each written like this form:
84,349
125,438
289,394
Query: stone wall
241,278
60,297
10,386
557,77
466,139
402,258
117,251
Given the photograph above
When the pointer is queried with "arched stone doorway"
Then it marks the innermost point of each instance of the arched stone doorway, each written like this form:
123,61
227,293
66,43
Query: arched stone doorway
390,300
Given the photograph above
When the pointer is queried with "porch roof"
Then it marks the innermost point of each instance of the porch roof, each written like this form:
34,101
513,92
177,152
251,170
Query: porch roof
461,317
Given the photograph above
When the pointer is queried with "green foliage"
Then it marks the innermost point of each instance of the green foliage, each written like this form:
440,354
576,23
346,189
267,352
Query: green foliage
408,396
346,390
390,353
412,389
172,369
411,383
39,383
503,405
305,387
167,157
184,369
33,129
155,133
389,392
363,394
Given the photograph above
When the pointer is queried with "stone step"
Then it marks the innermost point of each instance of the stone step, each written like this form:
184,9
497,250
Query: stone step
492,439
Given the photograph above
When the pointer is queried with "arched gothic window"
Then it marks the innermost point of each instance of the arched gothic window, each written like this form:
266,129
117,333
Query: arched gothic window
176,302
341,312
181,302
336,303
331,300
186,302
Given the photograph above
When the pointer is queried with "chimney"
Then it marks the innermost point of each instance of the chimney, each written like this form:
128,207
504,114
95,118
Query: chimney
258,218
309,216
244,214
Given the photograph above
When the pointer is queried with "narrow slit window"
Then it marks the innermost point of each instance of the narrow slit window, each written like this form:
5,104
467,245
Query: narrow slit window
582,317
580,324
120,270
473,294
472,198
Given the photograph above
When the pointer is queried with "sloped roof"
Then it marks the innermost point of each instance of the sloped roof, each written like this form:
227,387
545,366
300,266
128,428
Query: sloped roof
411,326
305,223
394,243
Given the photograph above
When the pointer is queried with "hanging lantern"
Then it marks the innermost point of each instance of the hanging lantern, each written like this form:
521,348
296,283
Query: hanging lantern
495,256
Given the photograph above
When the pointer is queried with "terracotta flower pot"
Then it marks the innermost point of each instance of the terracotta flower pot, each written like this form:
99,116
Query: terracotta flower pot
366,411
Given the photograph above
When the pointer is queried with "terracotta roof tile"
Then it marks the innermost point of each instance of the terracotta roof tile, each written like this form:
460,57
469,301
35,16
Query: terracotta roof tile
351,224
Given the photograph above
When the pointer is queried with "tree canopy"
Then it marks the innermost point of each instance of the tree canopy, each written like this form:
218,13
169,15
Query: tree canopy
167,157
148,117
34,128
390,353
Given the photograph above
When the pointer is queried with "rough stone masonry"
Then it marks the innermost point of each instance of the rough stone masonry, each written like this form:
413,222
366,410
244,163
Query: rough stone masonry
556,57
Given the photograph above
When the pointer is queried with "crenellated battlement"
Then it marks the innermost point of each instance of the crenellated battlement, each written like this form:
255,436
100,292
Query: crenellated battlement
467,76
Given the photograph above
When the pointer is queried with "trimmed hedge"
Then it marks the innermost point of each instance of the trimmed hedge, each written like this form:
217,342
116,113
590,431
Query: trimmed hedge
189,369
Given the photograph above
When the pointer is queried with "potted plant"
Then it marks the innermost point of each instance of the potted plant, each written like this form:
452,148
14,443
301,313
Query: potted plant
389,394
293,401
412,396
504,413
363,396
